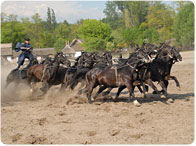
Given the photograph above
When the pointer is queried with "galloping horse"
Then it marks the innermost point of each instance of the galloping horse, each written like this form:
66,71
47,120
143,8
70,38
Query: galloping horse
18,76
46,73
113,77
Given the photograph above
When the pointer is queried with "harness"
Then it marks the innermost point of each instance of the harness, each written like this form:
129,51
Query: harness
116,72
44,71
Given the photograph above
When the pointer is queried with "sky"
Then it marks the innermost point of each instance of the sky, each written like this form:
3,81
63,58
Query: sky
64,10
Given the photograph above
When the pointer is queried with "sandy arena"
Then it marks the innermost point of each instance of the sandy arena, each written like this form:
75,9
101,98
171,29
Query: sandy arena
69,119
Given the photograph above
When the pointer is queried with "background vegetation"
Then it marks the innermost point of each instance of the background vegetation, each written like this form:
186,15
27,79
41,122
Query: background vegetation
126,25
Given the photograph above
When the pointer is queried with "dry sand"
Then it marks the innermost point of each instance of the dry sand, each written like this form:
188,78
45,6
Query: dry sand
69,119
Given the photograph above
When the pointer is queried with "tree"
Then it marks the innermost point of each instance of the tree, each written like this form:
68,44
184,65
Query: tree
59,45
94,28
53,20
94,44
132,36
46,40
36,30
62,31
184,26
94,31
160,17
150,35
49,20
3,17
135,12
113,17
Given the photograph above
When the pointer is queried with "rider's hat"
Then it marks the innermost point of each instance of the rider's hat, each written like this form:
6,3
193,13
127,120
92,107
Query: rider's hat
27,39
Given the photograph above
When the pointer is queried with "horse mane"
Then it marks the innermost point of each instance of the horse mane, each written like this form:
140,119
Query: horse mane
57,54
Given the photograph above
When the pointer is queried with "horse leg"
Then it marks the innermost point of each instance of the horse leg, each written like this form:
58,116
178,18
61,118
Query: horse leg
131,89
164,89
150,83
144,89
62,88
118,93
99,91
107,92
84,90
140,89
173,78
31,85
45,88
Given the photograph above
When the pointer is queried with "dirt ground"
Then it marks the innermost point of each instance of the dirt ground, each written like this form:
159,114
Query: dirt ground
69,119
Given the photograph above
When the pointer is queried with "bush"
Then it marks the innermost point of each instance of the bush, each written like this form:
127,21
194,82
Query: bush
59,45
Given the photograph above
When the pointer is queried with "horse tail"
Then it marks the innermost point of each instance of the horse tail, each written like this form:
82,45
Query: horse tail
11,77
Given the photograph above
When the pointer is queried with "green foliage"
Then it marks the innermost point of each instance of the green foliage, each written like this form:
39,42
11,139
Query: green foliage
59,45
160,18
135,12
95,34
94,44
92,28
53,20
110,46
148,34
127,24
46,40
62,31
184,26
12,31
132,36
113,18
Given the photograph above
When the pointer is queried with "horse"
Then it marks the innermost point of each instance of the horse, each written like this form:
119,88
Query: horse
19,76
48,74
113,77
163,63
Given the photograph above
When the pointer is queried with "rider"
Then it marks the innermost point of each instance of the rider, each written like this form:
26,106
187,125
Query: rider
26,51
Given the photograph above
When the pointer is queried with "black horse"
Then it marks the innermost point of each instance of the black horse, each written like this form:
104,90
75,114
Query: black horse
20,76
50,74
112,77
162,64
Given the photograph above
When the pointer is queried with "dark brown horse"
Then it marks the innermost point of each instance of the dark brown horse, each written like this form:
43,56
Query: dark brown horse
122,77
46,73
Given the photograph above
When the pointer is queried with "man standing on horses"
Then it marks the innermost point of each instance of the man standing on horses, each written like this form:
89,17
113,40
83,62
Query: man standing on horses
26,51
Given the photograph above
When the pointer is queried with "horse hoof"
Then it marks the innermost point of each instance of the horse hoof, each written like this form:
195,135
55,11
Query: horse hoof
31,90
163,96
136,103
115,100
90,101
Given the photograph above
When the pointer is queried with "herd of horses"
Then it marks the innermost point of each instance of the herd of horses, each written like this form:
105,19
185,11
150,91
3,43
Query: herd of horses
143,67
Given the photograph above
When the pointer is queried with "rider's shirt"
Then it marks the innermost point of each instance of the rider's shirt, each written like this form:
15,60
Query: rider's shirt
18,47
26,46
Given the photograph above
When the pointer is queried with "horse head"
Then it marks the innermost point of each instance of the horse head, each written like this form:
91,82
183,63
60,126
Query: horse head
176,54
169,53
61,58
34,61
143,56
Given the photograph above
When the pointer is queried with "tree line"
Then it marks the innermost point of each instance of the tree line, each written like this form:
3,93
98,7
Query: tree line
127,24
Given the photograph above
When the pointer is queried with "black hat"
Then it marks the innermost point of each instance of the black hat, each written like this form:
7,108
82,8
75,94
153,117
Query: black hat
27,39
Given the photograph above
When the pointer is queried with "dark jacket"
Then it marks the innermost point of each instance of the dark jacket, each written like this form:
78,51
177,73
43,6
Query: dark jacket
20,46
